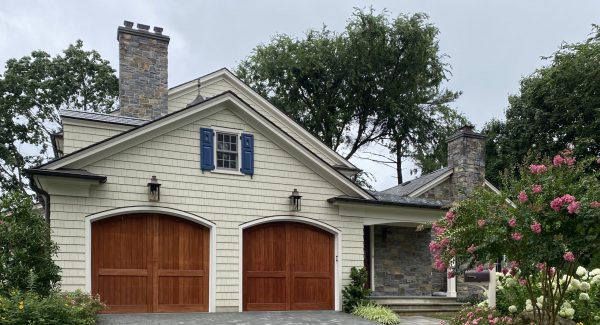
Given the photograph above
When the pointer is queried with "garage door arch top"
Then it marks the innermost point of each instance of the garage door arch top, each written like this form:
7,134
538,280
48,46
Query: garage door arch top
151,259
289,263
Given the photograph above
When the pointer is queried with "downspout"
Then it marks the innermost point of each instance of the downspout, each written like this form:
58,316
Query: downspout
45,197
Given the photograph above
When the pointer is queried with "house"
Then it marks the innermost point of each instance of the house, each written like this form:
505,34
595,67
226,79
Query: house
205,197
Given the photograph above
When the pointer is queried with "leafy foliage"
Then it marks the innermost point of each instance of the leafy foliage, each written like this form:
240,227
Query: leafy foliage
69,308
377,82
33,89
481,316
545,222
374,312
356,293
558,107
26,249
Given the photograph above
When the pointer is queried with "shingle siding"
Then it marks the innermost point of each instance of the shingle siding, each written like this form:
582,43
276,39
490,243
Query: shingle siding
227,200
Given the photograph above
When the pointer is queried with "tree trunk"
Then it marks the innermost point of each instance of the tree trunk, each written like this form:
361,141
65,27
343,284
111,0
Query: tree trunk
399,161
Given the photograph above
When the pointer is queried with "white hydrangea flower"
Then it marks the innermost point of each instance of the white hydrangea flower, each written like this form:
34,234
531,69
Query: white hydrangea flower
499,275
585,286
569,313
595,272
581,271
540,299
512,309
529,307
596,280
596,317
584,296
566,305
574,285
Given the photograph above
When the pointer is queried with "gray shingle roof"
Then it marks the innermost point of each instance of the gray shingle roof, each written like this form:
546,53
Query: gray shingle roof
406,188
106,118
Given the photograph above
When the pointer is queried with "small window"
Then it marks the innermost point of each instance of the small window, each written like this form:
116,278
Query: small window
227,151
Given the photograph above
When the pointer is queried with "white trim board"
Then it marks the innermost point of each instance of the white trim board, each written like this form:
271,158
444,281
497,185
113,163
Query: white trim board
313,222
212,280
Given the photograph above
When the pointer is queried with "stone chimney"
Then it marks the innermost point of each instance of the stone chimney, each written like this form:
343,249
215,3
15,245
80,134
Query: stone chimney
143,71
466,153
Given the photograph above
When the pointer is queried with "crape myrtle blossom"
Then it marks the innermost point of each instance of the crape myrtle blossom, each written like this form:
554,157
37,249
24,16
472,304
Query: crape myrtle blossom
536,227
536,188
569,257
522,196
538,169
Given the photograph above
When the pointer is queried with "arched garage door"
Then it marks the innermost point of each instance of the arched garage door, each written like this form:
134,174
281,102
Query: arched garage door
150,263
288,266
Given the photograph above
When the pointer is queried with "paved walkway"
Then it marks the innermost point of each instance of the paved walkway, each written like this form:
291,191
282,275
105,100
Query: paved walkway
252,318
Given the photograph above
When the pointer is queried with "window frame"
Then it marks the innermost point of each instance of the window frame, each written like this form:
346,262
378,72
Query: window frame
238,134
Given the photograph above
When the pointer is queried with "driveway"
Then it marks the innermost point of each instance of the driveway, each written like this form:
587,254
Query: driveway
252,318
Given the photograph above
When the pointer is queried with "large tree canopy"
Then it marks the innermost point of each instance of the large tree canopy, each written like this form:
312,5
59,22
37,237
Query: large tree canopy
33,89
558,107
380,81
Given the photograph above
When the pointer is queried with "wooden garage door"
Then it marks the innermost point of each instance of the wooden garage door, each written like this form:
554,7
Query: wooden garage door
288,266
150,263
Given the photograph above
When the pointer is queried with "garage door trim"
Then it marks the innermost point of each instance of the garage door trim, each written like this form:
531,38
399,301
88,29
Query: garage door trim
157,210
312,222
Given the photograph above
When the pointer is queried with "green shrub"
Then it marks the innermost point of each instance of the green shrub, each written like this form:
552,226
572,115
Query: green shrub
356,293
68,308
374,312
26,249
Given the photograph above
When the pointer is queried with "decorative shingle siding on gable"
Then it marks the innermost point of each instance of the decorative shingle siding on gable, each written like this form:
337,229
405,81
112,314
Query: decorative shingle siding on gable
227,200
181,101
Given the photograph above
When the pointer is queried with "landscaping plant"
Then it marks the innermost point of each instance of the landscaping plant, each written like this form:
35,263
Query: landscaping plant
26,249
73,308
545,222
356,293
375,312
479,315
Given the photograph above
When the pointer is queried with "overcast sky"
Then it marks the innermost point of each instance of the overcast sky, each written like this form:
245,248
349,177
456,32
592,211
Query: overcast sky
491,45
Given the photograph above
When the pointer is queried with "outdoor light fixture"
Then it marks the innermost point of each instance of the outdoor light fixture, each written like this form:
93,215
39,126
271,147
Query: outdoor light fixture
154,189
295,199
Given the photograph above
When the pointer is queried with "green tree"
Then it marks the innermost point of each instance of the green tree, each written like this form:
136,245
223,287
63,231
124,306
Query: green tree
33,89
26,249
377,82
558,106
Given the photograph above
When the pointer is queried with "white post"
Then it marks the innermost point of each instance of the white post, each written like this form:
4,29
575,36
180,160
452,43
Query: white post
451,283
492,289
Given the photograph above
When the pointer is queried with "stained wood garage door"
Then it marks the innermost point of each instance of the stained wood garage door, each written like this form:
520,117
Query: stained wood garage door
288,266
150,263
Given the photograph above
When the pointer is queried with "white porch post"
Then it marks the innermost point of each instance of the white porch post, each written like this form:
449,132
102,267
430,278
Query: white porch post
372,248
451,283
492,289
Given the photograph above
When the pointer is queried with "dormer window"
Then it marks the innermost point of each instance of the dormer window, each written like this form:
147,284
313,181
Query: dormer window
227,150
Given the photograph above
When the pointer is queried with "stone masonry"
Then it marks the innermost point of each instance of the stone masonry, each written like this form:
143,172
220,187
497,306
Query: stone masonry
402,262
466,153
143,74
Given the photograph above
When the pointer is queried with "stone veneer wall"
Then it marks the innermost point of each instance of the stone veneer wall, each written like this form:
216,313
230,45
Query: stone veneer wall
402,262
466,153
442,191
143,71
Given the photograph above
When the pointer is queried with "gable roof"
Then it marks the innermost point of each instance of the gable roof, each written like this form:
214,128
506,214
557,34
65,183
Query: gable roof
279,115
412,186
82,157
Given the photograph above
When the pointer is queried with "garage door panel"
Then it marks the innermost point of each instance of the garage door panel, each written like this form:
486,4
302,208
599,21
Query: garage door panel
129,292
287,266
156,263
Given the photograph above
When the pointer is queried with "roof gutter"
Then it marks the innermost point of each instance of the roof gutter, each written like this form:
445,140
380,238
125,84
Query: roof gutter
50,172
343,199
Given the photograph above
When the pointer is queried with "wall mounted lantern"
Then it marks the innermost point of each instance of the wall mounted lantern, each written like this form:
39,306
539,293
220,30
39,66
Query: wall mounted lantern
295,201
154,190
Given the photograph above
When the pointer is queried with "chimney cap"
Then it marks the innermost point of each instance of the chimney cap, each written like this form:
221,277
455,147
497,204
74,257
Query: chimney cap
466,131
158,30
128,24
143,27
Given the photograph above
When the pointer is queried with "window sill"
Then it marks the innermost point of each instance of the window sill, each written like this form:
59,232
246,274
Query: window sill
227,172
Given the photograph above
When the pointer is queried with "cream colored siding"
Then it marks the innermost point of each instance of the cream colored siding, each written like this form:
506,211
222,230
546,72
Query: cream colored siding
181,100
227,200
77,136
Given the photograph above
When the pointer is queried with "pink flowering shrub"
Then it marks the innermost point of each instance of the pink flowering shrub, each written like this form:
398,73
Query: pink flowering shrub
475,315
547,217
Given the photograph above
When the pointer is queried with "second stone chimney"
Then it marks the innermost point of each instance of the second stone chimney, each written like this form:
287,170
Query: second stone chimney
143,71
466,154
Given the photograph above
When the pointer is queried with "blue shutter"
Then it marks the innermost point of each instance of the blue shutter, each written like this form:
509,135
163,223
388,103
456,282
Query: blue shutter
247,154
207,150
